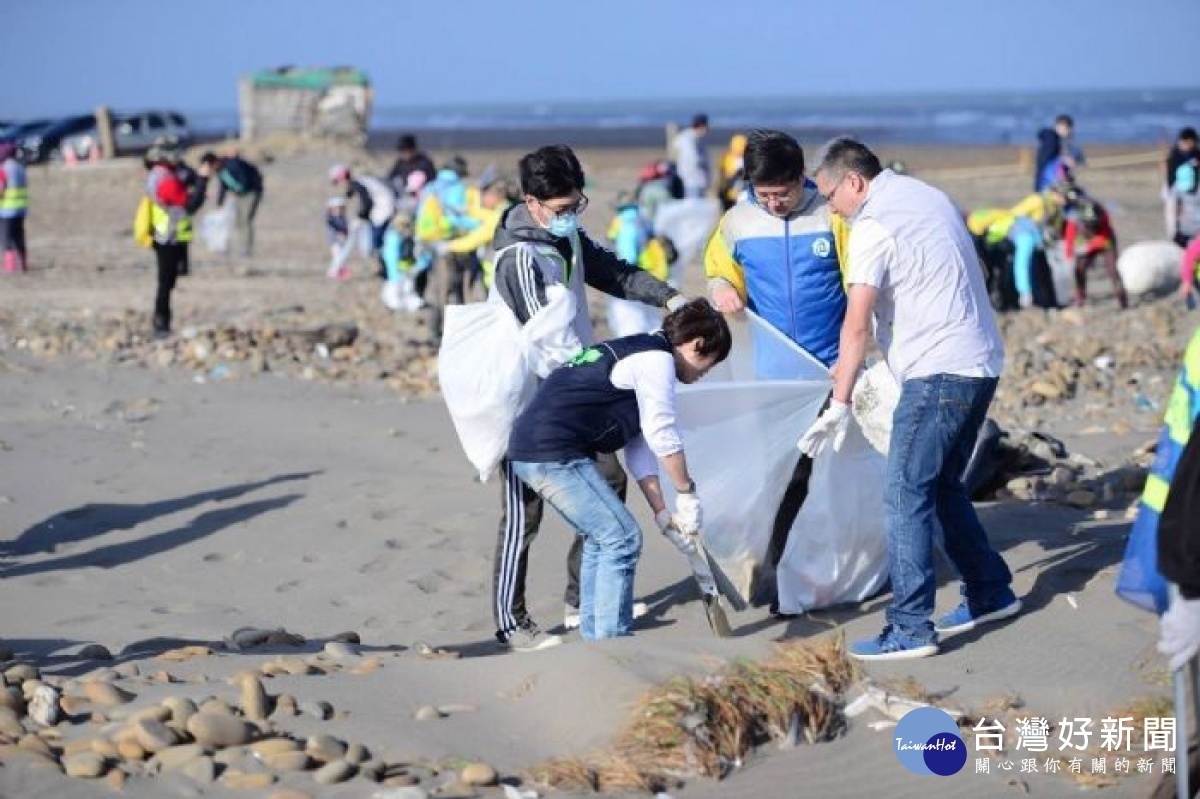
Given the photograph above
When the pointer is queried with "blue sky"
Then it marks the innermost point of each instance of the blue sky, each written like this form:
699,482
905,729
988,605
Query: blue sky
61,56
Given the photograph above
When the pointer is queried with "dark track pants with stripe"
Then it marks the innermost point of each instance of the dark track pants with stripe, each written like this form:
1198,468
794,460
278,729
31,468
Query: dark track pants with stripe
520,518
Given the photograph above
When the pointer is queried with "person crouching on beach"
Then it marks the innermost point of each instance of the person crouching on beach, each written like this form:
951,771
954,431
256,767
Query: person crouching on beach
613,395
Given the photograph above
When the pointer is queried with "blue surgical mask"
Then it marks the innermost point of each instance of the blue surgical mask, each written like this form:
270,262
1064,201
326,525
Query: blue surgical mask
563,224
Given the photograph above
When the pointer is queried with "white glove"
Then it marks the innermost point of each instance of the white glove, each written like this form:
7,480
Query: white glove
1180,631
684,542
688,516
829,429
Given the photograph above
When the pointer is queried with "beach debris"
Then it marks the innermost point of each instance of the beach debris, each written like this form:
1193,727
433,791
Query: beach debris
250,637
43,706
340,650
427,713
515,792
890,705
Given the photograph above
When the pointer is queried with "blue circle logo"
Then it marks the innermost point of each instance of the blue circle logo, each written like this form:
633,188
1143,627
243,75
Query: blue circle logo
926,741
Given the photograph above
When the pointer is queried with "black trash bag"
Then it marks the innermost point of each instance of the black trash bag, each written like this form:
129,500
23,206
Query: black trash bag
987,468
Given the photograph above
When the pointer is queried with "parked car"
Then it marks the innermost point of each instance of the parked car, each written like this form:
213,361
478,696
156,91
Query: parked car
23,130
46,144
134,133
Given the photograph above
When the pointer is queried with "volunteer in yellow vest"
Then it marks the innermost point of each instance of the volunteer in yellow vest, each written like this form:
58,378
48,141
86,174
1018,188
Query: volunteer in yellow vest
170,232
14,203
781,253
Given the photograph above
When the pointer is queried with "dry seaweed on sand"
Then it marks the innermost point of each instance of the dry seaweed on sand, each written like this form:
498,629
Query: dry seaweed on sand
705,726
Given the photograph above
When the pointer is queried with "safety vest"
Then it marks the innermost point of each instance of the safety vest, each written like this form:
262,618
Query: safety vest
1140,581
15,199
170,225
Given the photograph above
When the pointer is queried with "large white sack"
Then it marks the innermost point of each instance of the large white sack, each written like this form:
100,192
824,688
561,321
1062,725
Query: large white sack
689,224
217,227
627,318
488,367
740,426
837,548
1150,266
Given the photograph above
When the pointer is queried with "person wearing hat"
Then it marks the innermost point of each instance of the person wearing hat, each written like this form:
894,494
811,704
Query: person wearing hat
691,157
170,230
14,204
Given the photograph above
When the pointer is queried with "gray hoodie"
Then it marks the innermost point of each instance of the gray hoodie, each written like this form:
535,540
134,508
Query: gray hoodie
521,282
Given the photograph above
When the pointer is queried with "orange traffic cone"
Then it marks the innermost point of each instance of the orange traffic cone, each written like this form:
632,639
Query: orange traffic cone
69,156
93,151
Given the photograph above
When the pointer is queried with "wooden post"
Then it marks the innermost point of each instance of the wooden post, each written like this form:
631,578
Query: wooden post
104,130
671,130
246,109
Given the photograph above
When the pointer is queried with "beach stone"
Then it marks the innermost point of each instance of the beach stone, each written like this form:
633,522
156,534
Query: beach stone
105,748
287,761
115,779
162,676
456,790
15,675
154,736
176,757
1081,499
10,723
216,705
290,793
255,704
85,765
355,753
43,707
321,709
479,775
273,746
127,670
371,770
368,665
12,697
339,650
95,652
219,730
402,780
180,654
324,748
285,705
348,637
105,694
334,772
1047,389
427,713
202,770
181,708
32,743
131,751
151,713
295,666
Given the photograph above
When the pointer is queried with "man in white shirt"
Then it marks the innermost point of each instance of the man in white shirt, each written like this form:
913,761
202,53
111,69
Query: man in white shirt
915,276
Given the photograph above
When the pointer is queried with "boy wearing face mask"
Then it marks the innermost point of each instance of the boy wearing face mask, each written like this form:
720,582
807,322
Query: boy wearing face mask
539,243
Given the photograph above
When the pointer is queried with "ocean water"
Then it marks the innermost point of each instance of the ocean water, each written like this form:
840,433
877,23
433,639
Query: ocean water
1109,117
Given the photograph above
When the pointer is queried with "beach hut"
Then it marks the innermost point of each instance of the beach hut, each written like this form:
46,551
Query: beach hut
332,102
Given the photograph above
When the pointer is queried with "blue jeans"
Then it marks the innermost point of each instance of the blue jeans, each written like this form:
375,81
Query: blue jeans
612,540
933,432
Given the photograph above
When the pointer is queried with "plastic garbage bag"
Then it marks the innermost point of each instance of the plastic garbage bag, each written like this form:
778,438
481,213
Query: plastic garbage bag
217,228
626,317
488,367
1150,267
688,224
740,425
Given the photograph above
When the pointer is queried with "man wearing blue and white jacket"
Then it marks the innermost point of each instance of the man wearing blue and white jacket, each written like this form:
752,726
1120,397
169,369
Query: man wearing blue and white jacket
781,253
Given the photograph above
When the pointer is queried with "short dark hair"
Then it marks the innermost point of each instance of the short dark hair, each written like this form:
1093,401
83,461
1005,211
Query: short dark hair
551,171
407,142
698,319
209,158
772,157
1065,119
847,154
700,121
1187,134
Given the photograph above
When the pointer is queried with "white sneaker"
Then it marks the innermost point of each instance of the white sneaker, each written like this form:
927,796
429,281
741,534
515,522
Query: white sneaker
531,639
571,614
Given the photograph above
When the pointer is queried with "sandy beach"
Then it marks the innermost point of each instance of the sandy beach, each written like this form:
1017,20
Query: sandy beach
155,500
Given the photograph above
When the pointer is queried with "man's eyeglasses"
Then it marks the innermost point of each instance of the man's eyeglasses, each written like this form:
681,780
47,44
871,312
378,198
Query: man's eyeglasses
576,208
829,197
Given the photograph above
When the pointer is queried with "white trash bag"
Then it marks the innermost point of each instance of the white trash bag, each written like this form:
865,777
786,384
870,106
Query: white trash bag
217,228
1150,267
488,367
688,224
